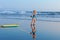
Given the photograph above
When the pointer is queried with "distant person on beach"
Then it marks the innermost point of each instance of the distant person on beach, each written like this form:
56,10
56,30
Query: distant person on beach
33,17
33,24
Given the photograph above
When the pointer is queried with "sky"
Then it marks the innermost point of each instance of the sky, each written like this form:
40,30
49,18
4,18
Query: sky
42,5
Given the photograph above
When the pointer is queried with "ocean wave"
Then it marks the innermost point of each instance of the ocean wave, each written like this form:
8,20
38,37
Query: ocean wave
38,19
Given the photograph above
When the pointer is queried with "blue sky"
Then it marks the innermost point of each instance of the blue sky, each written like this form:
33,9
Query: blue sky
43,5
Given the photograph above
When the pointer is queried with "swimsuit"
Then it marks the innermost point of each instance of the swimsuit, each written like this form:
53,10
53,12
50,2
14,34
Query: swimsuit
34,16
33,33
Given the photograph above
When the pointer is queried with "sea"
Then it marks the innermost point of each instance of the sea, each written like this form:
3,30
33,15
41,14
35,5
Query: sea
47,26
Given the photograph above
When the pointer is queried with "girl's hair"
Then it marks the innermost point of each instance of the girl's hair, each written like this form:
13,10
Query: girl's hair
34,10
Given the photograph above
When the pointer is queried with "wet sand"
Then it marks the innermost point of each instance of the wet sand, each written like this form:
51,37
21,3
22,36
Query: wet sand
44,30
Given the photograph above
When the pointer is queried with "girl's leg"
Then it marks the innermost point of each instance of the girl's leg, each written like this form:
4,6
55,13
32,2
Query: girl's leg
34,20
34,23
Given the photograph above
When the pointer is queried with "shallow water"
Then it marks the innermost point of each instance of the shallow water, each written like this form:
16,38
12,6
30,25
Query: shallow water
45,30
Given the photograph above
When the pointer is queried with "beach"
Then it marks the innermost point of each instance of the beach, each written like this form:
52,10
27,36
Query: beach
45,30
